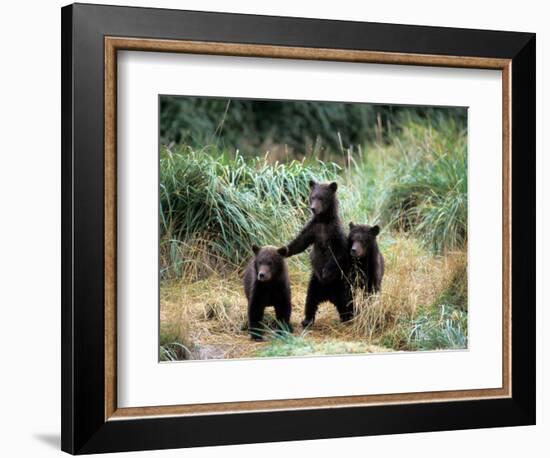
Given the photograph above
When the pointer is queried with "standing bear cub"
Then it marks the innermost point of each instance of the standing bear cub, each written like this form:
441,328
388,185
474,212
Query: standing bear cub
266,283
367,261
329,256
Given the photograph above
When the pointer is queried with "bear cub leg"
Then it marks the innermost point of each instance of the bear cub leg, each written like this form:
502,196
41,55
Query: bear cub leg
255,318
282,313
343,302
315,295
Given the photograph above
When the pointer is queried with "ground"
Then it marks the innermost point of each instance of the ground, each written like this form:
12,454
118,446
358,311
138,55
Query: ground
421,306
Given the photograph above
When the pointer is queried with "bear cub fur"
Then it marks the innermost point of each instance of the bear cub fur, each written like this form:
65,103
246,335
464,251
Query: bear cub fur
367,261
329,256
266,283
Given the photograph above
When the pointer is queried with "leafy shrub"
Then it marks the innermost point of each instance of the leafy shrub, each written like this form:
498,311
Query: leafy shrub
302,126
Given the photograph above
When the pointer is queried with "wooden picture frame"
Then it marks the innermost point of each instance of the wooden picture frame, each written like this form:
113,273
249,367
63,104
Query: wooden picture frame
91,37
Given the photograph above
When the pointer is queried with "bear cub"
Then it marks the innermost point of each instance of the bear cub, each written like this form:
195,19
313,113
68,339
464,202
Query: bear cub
367,261
266,283
329,256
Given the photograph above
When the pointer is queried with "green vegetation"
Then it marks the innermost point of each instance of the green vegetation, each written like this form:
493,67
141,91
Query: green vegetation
433,328
214,207
286,344
407,172
430,196
170,347
301,128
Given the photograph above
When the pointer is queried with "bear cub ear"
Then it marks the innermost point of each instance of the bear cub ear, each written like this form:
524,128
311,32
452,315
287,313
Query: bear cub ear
333,186
351,225
312,184
283,251
255,249
375,230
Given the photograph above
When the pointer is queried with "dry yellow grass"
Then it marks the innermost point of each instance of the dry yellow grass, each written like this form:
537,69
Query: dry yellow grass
208,317
414,278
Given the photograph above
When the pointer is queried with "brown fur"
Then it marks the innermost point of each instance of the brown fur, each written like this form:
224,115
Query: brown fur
367,260
329,256
266,283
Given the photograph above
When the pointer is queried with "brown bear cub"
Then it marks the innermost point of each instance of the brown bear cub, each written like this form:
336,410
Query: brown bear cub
266,283
367,261
329,256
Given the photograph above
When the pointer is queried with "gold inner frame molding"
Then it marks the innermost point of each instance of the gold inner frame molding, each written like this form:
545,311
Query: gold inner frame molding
114,44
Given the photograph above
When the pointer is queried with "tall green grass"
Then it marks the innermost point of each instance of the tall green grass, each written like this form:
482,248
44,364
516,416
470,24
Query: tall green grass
433,328
429,192
214,207
418,184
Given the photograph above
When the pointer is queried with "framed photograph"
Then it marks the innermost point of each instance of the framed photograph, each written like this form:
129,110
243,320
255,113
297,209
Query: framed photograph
282,229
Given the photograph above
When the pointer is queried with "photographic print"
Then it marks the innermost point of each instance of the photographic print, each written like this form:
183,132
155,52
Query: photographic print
310,228
332,204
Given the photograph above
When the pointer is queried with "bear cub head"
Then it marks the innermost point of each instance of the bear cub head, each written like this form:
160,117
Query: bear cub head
362,237
322,198
269,262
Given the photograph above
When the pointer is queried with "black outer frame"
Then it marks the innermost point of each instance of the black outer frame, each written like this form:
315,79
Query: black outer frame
84,429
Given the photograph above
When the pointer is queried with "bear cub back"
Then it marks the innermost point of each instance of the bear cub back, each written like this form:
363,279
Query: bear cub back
367,260
266,283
